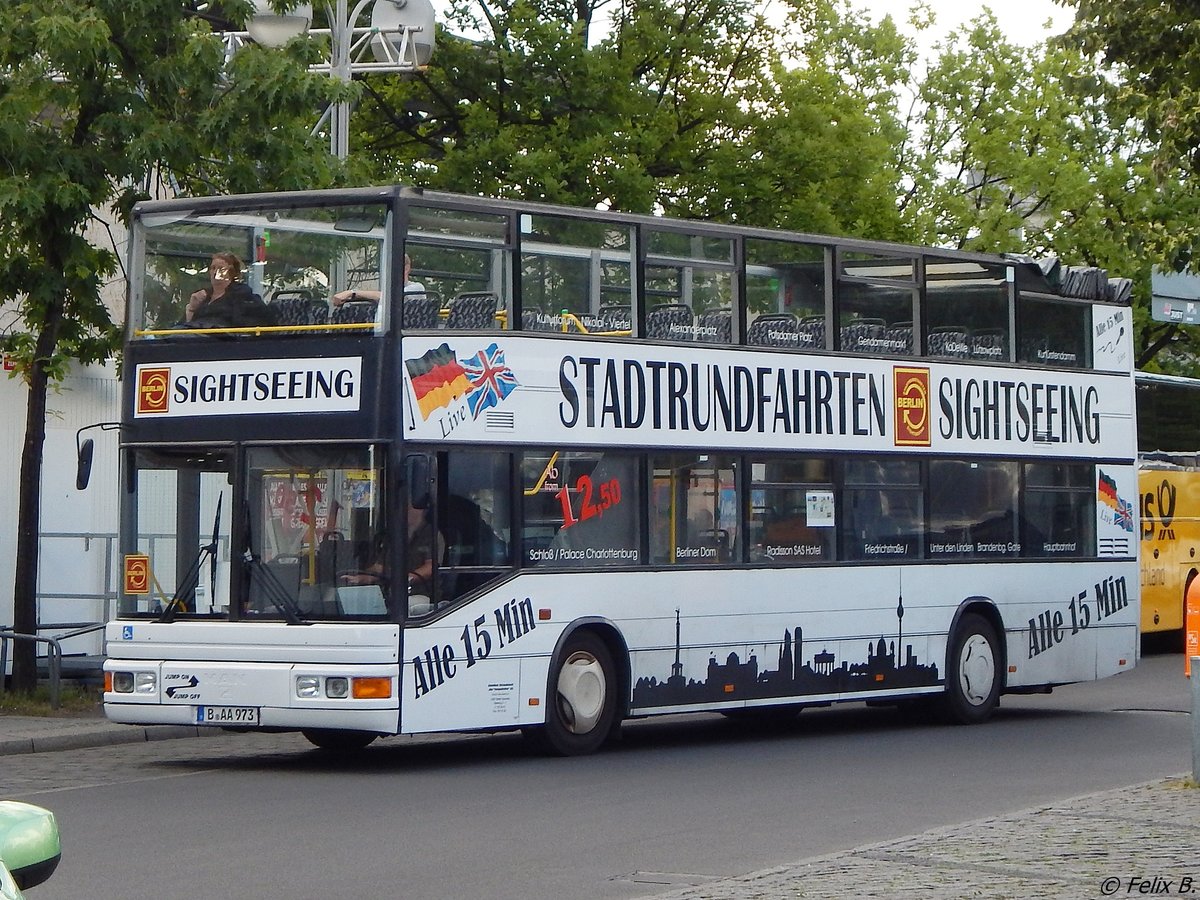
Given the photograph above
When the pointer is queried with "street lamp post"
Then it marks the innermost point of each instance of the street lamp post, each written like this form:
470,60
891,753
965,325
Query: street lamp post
399,39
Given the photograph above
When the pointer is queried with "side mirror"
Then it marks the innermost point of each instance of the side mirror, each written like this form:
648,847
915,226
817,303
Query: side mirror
29,846
83,464
419,475
84,450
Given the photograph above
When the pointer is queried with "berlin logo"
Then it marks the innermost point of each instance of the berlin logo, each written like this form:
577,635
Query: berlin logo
152,395
912,407
137,574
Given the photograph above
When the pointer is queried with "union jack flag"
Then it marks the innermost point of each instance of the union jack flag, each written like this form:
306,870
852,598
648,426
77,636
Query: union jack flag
1124,517
491,380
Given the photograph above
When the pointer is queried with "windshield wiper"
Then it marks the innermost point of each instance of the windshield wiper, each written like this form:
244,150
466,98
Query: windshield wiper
268,582
191,578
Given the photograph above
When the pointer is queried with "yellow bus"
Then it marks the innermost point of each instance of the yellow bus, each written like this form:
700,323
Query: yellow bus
1169,483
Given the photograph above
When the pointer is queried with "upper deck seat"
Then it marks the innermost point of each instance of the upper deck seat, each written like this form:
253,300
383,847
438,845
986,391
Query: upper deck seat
473,309
989,344
774,330
898,338
535,320
353,312
422,309
951,341
812,333
614,318
715,327
670,322
298,307
863,336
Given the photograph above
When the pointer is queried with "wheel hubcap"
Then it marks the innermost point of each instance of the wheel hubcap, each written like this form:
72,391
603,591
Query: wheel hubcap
976,670
581,692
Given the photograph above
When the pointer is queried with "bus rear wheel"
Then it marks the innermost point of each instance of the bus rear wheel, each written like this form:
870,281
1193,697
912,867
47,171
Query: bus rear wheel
583,701
973,672
336,741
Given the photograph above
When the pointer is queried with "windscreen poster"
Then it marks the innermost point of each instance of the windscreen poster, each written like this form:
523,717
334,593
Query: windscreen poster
529,390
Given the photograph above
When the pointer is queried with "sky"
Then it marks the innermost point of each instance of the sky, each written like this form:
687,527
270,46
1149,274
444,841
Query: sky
1022,20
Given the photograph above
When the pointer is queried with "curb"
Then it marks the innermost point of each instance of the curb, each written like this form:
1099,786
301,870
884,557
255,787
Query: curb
97,738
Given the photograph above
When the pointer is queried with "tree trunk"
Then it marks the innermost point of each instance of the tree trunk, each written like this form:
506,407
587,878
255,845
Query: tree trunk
29,515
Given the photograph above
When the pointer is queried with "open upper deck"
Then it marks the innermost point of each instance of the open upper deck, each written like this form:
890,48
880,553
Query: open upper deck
332,263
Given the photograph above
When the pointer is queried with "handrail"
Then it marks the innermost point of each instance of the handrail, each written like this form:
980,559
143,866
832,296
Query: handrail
254,329
77,628
53,656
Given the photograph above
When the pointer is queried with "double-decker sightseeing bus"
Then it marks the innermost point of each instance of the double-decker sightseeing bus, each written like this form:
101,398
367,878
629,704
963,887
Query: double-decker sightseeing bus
580,466
1169,481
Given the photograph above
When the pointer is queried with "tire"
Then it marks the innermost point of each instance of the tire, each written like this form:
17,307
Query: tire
335,741
974,672
582,706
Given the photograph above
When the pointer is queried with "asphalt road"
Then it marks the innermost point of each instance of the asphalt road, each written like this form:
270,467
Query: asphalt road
676,801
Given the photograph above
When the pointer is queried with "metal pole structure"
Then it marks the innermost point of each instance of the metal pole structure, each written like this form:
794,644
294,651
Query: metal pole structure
342,27
394,46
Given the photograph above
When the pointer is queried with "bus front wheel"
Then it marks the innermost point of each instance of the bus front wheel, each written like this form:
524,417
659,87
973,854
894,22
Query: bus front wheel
973,676
336,741
582,704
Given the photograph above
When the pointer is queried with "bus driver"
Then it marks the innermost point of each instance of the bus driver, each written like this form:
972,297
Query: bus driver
421,540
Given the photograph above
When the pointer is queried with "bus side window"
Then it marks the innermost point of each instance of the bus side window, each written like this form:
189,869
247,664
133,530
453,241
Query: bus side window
694,510
580,509
882,509
472,518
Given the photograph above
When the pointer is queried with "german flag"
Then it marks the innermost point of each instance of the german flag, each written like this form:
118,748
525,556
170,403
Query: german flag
1107,490
437,379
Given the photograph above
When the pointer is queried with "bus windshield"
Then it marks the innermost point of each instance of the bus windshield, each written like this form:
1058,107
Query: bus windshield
308,543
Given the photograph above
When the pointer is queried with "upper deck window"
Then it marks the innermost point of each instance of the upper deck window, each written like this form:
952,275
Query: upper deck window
461,269
966,310
690,287
875,296
258,270
576,276
1053,332
785,295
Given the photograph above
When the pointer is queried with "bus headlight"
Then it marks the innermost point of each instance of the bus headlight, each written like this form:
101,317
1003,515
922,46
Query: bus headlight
308,686
122,682
337,687
145,683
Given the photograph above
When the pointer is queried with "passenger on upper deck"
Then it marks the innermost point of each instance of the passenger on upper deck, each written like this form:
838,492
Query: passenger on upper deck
228,302
410,287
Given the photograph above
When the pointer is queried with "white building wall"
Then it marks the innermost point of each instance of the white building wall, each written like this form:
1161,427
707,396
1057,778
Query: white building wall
78,565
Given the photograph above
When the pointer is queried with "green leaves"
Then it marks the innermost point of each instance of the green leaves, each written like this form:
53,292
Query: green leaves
104,101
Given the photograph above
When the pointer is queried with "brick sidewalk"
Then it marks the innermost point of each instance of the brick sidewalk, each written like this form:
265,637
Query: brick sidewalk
1138,841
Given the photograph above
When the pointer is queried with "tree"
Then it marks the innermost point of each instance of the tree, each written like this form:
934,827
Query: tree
537,105
701,109
1152,50
102,101
821,150
1153,46
1032,150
